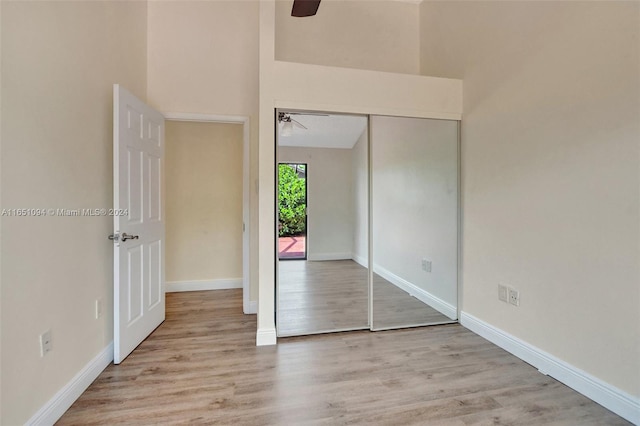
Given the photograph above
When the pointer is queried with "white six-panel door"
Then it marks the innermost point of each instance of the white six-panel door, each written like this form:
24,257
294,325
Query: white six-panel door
138,170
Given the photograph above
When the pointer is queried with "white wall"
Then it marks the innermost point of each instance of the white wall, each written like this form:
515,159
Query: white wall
329,200
360,199
203,165
59,62
415,203
550,162
203,58
372,35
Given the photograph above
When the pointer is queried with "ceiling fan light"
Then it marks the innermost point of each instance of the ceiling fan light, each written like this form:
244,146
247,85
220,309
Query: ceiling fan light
287,129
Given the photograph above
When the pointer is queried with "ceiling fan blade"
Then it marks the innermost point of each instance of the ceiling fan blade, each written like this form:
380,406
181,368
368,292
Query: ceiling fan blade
319,114
303,8
298,124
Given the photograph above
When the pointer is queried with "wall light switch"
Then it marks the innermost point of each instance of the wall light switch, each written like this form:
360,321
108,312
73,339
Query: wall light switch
503,293
98,308
426,265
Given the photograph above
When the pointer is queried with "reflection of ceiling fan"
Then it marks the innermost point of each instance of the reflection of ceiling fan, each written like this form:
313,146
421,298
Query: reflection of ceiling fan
289,123
304,8
287,127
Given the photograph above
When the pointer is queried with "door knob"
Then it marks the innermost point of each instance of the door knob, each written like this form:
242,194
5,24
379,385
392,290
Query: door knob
126,237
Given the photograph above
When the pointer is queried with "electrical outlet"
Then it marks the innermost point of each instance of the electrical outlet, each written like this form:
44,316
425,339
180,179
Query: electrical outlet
514,297
426,265
503,293
98,308
46,344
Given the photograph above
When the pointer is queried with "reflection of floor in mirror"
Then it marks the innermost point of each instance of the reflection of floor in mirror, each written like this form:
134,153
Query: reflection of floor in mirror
321,296
326,296
394,307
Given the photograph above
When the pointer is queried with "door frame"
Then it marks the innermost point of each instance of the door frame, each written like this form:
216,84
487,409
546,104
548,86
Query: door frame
248,307
306,208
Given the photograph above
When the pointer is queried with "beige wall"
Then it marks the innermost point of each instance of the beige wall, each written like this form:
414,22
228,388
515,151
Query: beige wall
203,58
203,201
329,199
59,62
371,35
550,162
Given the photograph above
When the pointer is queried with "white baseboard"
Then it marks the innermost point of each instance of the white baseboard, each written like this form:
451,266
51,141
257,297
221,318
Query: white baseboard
65,397
250,307
360,260
436,303
221,284
608,396
328,256
266,337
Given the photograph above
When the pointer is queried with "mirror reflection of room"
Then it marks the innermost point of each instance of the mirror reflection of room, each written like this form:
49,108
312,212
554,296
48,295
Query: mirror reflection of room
322,223
414,167
335,173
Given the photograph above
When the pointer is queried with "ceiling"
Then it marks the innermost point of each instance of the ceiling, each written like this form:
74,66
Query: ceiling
324,131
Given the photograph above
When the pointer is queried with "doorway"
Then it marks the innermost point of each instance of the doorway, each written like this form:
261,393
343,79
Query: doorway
248,306
292,211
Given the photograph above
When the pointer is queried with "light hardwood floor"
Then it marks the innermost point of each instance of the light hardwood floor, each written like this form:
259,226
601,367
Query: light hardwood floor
201,366
316,297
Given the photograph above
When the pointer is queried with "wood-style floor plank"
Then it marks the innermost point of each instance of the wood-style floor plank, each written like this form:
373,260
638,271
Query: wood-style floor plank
201,366
324,296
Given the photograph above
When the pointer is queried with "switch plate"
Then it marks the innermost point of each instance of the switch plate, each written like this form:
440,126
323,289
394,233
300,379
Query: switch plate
503,293
46,343
98,308
426,265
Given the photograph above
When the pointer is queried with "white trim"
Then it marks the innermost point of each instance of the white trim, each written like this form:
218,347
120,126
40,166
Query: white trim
213,118
266,337
246,187
610,397
250,307
360,260
329,256
246,214
435,302
51,412
200,285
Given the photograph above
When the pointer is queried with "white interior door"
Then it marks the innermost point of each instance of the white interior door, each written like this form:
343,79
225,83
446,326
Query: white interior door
138,171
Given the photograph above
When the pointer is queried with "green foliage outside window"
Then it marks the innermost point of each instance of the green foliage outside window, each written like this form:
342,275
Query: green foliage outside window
292,201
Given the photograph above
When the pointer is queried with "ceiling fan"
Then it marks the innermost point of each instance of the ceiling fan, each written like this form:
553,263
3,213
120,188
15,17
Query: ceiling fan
304,8
285,117
289,123
287,127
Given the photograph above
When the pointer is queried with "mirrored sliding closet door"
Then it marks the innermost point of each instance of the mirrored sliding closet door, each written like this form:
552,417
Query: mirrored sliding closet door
322,210
414,211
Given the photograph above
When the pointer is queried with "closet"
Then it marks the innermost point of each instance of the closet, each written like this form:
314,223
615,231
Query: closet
383,223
